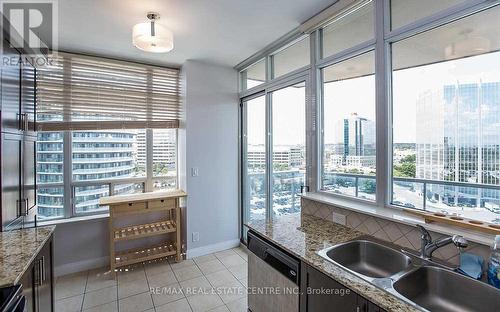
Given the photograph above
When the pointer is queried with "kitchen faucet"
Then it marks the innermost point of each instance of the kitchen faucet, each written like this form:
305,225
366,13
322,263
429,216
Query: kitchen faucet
428,246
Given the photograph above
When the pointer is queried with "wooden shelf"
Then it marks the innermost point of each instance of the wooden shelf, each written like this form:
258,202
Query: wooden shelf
122,206
459,221
144,230
133,256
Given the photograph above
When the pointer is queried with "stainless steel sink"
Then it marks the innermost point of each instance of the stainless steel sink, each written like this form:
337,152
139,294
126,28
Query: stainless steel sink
438,289
368,258
429,285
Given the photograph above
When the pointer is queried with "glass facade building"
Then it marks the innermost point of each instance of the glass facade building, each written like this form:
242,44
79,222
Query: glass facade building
100,156
458,135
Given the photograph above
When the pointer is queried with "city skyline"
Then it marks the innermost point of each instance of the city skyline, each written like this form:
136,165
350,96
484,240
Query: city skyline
98,156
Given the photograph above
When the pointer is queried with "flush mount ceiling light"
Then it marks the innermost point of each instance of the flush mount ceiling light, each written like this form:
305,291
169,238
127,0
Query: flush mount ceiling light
151,36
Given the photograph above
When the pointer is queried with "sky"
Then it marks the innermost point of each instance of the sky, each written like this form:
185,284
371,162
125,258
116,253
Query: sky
358,96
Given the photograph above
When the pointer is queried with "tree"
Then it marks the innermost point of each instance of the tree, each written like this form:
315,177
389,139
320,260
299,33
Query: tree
407,168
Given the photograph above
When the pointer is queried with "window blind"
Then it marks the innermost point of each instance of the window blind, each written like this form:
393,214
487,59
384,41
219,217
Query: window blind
76,92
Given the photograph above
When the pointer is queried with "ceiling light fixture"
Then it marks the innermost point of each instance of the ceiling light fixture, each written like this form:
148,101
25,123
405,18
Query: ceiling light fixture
151,36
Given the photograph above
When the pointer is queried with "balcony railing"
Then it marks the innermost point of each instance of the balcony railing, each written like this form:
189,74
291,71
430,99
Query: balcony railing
456,194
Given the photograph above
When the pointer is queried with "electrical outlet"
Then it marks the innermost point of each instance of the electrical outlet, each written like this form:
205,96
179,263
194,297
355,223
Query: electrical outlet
194,172
339,218
196,236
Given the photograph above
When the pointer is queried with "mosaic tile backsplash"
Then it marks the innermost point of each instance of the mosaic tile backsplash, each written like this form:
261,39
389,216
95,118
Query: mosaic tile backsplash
394,232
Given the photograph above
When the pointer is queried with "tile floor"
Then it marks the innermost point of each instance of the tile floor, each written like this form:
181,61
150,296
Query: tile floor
215,282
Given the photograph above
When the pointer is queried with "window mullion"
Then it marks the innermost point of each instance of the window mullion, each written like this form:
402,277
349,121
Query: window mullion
149,160
382,112
69,199
312,147
269,156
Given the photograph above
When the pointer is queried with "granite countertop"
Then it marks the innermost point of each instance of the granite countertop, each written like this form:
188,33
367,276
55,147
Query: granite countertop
303,236
18,249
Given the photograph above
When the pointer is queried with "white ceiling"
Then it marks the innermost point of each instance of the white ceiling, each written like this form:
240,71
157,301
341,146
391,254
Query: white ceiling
218,31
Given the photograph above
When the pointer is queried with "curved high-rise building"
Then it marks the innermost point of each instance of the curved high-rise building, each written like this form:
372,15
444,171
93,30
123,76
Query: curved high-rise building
96,155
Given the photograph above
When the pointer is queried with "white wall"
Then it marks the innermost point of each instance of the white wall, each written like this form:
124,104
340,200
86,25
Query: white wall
80,246
208,140
211,134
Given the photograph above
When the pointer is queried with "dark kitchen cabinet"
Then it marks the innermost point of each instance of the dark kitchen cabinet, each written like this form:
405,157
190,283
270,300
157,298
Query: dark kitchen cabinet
18,140
11,90
38,281
320,293
10,180
28,99
28,288
28,160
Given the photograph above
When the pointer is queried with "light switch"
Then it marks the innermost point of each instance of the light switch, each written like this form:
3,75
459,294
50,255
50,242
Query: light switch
196,236
194,172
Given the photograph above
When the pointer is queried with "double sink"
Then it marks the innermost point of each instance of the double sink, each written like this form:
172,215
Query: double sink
420,282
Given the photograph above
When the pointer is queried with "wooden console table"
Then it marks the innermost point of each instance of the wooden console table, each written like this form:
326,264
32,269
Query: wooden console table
121,206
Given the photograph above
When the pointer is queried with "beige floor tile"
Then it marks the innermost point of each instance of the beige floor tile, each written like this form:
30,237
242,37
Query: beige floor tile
211,266
239,305
195,286
222,308
242,252
70,304
157,267
232,260
99,278
182,264
132,275
99,297
231,291
162,279
180,305
167,294
239,271
187,273
70,285
108,307
136,303
204,258
224,253
202,302
129,288
220,278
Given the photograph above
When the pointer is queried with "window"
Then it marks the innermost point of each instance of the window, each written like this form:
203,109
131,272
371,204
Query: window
164,159
255,186
274,165
291,58
50,170
105,128
253,75
101,163
348,153
289,148
435,100
446,118
350,29
404,12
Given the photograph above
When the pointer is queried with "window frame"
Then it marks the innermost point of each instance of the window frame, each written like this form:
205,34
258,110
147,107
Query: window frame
381,44
69,185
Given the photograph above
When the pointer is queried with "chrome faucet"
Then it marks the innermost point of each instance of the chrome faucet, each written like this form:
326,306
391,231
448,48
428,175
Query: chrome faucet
428,246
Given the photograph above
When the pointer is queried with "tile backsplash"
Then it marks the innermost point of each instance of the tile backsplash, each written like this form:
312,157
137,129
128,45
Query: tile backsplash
398,233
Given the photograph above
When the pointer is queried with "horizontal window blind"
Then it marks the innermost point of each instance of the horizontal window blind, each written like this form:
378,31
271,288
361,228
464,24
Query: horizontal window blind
76,92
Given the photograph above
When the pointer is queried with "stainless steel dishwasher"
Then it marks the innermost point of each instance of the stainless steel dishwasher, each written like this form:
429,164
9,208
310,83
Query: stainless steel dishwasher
273,277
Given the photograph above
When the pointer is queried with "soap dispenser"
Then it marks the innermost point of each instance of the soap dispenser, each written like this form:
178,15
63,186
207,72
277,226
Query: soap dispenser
494,264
